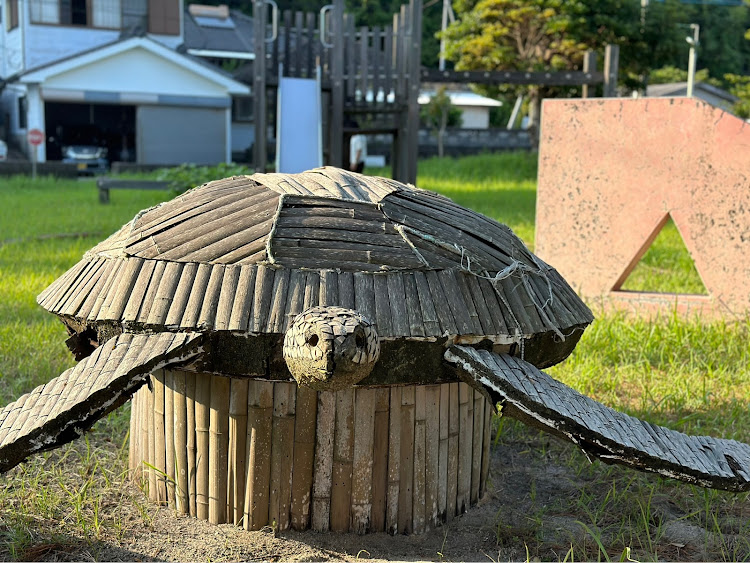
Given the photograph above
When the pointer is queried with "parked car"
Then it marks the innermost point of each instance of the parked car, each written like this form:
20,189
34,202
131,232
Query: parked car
89,159
3,151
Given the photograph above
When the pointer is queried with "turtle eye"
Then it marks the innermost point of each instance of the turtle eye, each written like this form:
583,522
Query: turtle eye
312,340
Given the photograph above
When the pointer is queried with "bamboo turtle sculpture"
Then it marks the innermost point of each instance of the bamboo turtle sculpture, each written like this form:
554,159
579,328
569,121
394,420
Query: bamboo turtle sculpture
403,317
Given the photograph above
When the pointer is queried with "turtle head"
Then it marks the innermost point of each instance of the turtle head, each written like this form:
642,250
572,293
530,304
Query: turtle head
330,348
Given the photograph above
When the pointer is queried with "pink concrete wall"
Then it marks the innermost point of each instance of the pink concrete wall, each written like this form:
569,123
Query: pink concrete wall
610,170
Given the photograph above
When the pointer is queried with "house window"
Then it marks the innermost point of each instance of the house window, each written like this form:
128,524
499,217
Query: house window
22,110
89,13
242,108
164,17
12,14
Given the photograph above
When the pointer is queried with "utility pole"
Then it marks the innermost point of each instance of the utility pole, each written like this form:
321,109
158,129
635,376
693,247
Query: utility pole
693,42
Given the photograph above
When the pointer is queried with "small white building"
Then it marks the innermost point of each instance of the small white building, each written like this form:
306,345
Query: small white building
475,109
108,73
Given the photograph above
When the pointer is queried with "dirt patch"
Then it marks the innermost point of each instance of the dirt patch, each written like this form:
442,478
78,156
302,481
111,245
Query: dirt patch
542,498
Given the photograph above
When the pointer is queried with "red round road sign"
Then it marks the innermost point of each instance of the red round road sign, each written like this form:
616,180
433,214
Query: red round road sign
36,137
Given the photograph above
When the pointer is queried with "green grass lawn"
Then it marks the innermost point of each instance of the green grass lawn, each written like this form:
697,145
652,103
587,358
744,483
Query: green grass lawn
690,375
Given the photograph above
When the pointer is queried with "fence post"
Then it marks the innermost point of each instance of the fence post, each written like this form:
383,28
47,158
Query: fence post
611,64
336,137
589,65
415,55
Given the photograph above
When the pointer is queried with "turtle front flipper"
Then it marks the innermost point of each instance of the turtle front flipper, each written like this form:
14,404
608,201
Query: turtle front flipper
61,410
537,399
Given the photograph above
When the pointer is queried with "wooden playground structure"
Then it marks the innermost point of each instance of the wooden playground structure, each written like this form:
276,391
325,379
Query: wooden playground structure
371,76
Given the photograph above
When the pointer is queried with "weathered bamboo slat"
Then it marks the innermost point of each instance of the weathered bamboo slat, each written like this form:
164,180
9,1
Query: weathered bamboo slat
420,439
148,298
181,297
362,463
442,471
304,457
179,408
432,453
159,461
465,426
282,454
218,454
453,447
380,460
240,315
207,314
406,465
195,301
192,467
238,399
324,446
486,438
477,444
202,421
259,428
169,442
343,449
394,461
227,295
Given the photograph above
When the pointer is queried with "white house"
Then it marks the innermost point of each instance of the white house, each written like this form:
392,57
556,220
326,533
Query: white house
475,109
109,72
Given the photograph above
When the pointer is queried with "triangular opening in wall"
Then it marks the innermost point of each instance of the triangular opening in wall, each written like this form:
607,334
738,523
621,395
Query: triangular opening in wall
663,265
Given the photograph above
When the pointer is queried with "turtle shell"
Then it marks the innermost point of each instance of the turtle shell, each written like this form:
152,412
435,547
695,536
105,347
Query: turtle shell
246,254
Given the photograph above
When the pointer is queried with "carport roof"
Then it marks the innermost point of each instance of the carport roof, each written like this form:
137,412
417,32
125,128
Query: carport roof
189,63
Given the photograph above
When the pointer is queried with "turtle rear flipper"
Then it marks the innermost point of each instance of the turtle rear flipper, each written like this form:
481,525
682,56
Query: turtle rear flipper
61,410
537,399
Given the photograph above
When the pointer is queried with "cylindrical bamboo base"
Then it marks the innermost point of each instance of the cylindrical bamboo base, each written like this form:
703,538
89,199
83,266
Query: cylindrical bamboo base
260,453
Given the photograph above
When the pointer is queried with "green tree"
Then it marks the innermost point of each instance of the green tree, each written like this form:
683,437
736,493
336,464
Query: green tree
516,35
740,87
667,74
439,114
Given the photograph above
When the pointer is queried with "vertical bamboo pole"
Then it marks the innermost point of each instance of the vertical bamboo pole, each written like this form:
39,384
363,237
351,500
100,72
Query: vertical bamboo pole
443,451
169,452
431,458
486,438
343,446
142,442
418,491
237,449
476,446
324,436
159,460
202,421
259,423
151,437
453,428
190,390
304,457
282,454
406,479
180,442
394,461
362,460
380,460
465,420
218,450
133,434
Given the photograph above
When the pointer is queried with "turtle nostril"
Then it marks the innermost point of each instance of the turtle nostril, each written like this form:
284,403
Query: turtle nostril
312,340
359,340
